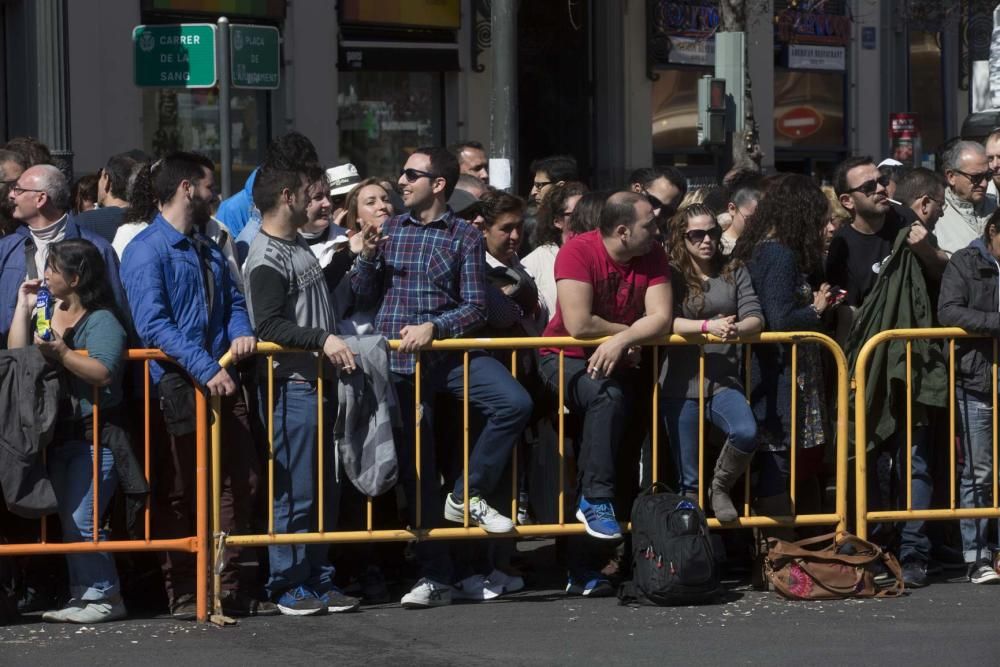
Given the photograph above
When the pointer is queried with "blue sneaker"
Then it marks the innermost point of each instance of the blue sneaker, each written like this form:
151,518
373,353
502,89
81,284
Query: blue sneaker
598,516
590,585
300,601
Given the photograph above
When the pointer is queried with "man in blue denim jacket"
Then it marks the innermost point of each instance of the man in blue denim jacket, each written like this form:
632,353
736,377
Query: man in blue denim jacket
184,302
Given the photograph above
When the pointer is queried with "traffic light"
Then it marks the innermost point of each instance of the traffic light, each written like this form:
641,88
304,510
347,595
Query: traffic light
711,111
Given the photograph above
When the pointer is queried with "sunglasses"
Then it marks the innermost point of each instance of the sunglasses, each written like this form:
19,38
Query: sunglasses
414,175
868,188
976,179
653,200
696,236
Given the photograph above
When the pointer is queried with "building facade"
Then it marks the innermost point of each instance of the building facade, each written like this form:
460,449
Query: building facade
612,82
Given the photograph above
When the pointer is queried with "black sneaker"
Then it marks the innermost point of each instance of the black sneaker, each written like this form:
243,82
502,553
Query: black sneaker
914,574
336,602
882,576
184,607
238,605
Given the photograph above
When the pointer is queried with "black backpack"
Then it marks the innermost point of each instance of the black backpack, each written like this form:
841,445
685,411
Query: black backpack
672,560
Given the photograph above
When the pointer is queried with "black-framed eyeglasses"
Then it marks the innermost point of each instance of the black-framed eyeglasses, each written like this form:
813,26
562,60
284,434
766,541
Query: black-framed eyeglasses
696,236
414,175
18,190
942,203
869,187
976,179
538,185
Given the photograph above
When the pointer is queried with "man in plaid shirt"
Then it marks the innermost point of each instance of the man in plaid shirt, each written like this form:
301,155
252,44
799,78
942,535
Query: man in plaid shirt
426,272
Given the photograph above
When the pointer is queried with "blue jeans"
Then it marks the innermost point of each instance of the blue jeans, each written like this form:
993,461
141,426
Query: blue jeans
976,471
494,394
71,470
295,486
728,410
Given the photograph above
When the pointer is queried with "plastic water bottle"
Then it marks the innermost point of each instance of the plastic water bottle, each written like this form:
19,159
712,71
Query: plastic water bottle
43,313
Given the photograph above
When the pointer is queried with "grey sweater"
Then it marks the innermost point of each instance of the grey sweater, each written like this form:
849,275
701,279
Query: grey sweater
732,294
288,301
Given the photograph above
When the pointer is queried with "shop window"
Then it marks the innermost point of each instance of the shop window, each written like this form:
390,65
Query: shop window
925,75
385,116
808,109
188,120
675,109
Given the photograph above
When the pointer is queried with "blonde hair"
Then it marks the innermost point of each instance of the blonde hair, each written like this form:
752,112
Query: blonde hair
838,212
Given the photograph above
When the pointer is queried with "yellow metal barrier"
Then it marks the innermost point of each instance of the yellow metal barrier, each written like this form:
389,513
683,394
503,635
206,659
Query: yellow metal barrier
196,544
864,517
370,534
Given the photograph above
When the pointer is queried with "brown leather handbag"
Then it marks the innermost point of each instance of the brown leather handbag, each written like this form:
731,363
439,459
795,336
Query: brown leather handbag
829,567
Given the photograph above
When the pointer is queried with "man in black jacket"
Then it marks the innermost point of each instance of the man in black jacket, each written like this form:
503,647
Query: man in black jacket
970,290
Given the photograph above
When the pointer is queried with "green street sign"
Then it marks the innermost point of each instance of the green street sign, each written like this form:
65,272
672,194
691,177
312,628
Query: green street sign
174,56
255,56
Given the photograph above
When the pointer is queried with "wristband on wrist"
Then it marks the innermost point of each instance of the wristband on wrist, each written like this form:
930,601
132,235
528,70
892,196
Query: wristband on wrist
704,326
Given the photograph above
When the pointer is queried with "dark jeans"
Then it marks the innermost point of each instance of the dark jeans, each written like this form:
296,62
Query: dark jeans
914,543
603,404
174,498
507,408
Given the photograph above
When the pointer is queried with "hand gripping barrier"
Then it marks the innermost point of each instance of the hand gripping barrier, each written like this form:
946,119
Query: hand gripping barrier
514,345
196,544
864,516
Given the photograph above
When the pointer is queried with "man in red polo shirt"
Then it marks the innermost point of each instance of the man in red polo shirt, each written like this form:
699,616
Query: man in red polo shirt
613,281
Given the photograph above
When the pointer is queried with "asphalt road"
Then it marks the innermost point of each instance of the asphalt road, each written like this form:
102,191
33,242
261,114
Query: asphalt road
945,623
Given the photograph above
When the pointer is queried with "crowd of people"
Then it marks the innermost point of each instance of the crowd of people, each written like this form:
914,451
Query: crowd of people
322,259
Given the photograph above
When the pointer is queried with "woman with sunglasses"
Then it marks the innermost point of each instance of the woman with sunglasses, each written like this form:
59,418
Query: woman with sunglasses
716,298
84,318
782,252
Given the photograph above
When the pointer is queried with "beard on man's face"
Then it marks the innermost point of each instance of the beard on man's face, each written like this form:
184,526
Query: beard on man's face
201,211
7,222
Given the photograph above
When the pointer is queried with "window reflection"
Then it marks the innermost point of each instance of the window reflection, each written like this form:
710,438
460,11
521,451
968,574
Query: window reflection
384,116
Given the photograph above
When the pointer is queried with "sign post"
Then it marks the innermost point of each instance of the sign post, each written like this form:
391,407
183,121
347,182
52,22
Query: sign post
225,124
199,55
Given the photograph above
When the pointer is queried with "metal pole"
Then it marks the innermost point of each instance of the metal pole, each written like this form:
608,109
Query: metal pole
503,128
225,126
52,79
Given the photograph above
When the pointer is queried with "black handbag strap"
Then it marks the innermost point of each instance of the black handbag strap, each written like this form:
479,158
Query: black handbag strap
204,252
29,259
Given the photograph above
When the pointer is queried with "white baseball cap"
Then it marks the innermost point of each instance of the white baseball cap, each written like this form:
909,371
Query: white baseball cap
342,178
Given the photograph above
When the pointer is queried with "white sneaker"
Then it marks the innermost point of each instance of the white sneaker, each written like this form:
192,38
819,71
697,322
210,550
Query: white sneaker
98,611
480,513
427,593
59,615
476,587
983,573
507,583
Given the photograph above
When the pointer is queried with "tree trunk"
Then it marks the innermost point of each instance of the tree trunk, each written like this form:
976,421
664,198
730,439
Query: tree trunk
747,155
